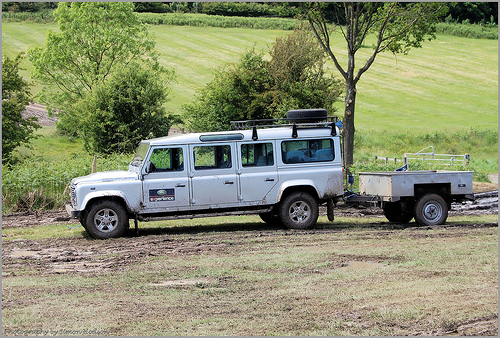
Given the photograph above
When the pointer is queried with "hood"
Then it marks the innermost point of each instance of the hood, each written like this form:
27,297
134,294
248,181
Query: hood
106,176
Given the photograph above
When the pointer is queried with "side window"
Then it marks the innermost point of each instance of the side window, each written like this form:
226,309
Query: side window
257,154
167,159
212,157
307,151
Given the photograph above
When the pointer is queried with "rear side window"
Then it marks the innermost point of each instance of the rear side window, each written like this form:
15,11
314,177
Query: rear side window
306,151
257,154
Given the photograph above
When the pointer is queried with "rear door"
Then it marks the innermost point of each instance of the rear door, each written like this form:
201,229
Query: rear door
213,176
258,172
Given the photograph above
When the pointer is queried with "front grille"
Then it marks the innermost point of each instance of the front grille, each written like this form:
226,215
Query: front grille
72,194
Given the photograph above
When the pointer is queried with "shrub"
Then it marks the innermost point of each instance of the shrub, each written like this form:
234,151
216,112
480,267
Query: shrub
468,30
204,20
16,131
126,109
256,88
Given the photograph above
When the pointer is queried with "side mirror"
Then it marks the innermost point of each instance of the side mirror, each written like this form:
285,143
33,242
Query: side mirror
149,167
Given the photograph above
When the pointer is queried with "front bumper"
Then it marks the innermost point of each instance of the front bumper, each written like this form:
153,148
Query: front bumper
72,212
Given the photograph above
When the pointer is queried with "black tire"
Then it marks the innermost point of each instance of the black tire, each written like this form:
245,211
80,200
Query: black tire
306,115
270,218
106,219
83,219
431,209
395,213
299,210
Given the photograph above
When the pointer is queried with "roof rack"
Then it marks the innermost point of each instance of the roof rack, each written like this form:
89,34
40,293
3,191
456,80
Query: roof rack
329,121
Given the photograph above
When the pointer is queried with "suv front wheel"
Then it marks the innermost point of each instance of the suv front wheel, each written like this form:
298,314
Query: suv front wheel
106,219
299,210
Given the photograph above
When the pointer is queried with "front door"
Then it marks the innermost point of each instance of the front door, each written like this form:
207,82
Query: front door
166,187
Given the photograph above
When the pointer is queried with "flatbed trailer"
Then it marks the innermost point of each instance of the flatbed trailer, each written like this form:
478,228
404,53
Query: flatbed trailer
423,195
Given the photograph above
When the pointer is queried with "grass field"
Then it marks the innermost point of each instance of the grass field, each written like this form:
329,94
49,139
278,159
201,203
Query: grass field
237,276
449,84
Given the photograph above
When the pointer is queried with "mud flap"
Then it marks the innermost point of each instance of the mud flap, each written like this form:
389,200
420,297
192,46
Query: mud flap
136,223
329,209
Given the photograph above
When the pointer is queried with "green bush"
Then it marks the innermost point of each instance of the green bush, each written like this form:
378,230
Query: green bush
256,88
126,109
35,185
43,16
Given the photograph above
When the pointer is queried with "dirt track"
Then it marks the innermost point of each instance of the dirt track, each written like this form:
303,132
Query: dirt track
84,257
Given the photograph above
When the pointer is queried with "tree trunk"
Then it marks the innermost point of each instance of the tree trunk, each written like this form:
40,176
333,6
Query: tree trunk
348,125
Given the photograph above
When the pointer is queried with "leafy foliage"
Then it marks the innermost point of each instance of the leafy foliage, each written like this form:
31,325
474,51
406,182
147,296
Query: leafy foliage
95,39
16,131
126,109
473,31
251,9
204,20
35,185
259,89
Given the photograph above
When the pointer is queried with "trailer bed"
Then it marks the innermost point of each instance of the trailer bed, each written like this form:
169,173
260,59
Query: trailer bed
392,186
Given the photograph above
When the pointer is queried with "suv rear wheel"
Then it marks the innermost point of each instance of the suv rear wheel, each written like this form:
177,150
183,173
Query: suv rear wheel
299,210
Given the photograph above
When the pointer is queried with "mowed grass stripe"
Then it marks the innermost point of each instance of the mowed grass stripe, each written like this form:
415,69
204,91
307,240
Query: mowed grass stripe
431,88
195,53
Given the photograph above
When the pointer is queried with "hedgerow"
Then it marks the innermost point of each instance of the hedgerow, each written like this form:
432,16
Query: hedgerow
477,31
204,20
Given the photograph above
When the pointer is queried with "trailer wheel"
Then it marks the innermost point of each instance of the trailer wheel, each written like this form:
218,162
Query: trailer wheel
431,209
299,210
395,213
106,219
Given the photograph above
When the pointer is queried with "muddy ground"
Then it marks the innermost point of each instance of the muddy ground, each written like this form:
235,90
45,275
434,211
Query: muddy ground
78,254
84,255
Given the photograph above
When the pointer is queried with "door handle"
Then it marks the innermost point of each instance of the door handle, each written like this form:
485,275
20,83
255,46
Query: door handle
269,179
180,185
229,182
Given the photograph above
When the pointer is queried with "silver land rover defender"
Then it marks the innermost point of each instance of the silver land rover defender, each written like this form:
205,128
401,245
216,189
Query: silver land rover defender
279,169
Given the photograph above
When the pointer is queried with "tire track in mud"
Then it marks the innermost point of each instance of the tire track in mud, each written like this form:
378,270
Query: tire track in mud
84,255
92,256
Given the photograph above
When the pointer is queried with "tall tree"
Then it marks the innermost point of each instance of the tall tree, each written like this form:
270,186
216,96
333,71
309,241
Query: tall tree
94,40
397,28
16,131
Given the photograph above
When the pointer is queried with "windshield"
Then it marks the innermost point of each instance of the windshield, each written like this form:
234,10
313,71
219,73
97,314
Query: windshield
140,154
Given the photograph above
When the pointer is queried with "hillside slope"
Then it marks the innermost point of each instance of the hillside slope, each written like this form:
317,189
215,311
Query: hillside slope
451,83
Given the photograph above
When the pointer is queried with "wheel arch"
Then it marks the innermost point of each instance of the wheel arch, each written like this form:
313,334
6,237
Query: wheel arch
116,196
305,186
442,189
